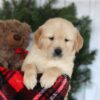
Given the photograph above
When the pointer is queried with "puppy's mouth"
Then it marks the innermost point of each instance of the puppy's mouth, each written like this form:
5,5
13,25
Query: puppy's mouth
57,56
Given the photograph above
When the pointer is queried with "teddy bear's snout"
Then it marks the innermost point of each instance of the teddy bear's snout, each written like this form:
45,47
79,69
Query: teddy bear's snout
17,37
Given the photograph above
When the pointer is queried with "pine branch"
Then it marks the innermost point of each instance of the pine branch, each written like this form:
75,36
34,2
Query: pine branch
49,3
29,3
14,3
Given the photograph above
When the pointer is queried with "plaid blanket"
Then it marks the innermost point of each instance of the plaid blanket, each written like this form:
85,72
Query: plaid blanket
12,87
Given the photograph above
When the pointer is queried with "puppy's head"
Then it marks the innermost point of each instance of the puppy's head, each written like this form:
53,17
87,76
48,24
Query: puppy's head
58,39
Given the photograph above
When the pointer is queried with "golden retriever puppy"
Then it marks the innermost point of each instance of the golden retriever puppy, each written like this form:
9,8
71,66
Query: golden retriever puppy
52,53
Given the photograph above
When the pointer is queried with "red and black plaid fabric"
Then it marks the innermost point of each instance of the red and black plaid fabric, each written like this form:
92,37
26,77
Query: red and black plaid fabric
12,87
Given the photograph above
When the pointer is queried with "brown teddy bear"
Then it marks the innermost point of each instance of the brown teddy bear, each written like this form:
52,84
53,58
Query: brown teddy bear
14,38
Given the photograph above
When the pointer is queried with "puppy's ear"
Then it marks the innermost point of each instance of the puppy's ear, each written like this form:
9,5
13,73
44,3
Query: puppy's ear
37,35
78,42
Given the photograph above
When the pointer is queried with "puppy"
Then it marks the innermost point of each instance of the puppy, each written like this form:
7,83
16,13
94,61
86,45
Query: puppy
52,53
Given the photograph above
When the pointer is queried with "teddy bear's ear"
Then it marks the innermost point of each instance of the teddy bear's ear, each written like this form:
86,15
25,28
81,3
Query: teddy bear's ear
26,28
2,25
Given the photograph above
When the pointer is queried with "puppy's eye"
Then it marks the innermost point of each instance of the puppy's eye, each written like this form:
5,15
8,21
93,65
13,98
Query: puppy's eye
51,38
66,40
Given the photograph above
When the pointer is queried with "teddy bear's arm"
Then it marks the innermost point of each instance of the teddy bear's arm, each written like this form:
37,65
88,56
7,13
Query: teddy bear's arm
3,62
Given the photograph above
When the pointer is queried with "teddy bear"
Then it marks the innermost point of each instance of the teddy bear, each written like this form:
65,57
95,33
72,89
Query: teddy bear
14,39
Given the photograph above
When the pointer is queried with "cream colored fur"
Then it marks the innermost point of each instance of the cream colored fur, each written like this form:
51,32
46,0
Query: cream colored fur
40,58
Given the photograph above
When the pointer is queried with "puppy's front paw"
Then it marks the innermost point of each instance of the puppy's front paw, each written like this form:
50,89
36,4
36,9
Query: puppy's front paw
30,80
47,80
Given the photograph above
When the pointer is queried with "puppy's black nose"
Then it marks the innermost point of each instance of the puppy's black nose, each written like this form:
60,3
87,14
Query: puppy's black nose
57,52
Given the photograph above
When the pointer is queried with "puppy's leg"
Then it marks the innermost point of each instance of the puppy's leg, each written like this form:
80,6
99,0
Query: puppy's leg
66,97
30,75
49,77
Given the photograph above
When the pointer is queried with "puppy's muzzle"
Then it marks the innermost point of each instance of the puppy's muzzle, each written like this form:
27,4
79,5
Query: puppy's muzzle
57,52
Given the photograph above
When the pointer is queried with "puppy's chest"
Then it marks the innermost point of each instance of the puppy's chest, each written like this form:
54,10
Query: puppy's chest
43,64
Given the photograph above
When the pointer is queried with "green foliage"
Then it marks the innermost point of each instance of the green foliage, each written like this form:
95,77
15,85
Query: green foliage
28,11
